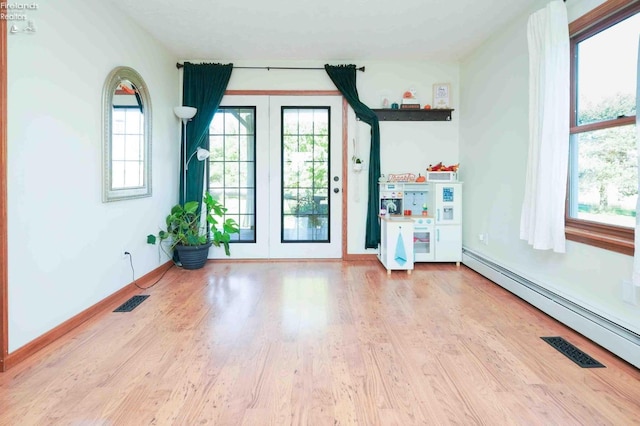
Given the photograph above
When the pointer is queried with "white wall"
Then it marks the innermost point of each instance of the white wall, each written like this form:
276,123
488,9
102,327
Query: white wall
493,147
65,245
404,146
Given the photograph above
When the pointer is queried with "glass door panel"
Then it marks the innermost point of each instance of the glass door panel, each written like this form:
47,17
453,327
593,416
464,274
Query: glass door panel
305,182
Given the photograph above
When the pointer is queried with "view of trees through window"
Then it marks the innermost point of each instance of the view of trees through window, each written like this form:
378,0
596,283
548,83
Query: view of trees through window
232,166
604,163
305,179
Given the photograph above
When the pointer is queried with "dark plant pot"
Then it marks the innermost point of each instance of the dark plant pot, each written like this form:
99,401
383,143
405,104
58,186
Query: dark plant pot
193,257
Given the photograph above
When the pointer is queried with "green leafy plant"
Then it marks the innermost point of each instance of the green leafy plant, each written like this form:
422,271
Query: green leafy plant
185,225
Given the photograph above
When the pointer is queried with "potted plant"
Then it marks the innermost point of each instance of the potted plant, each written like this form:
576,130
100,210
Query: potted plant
191,231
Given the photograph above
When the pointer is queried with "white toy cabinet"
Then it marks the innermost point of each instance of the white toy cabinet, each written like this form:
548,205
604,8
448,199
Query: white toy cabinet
437,236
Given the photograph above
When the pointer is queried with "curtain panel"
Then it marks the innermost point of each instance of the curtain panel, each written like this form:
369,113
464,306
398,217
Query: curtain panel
344,78
203,88
543,209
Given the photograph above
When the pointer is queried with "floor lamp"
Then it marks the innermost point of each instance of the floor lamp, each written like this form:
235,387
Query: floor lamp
185,113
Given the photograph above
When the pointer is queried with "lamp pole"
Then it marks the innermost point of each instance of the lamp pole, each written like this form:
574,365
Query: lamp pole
185,113
184,159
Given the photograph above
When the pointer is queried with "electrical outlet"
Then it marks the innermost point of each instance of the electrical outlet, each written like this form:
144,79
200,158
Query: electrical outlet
629,293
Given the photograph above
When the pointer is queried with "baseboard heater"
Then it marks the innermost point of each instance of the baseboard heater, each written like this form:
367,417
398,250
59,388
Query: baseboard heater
608,334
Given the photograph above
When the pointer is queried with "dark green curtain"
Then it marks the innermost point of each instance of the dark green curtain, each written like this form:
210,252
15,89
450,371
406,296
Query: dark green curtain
344,77
203,88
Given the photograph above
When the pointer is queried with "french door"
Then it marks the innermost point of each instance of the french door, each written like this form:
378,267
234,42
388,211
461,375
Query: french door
276,164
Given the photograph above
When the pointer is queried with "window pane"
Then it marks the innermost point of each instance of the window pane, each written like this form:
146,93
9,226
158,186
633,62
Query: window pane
216,147
231,148
132,174
217,124
134,121
117,174
246,148
231,123
118,121
216,171
231,175
132,149
246,174
117,147
232,167
304,175
232,201
604,176
606,68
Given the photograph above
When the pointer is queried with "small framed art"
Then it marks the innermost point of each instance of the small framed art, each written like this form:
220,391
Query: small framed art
442,95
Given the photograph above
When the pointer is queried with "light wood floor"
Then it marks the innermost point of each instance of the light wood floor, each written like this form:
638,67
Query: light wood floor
319,343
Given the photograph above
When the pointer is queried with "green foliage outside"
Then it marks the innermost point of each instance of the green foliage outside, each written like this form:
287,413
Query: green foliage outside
608,162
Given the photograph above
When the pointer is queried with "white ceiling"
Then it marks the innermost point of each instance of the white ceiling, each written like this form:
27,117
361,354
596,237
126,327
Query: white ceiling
322,29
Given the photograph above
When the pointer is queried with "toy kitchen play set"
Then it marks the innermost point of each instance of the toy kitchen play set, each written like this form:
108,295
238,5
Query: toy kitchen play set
420,218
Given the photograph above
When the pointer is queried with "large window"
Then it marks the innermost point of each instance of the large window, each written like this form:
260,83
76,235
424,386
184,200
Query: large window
603,169
232,166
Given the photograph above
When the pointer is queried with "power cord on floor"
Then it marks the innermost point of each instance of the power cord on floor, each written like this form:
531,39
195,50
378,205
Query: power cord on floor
133,273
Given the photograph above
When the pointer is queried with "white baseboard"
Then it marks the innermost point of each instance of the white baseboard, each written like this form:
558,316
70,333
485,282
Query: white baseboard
617,339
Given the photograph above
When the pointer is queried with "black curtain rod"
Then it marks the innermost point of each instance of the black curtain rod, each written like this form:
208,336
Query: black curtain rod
179,65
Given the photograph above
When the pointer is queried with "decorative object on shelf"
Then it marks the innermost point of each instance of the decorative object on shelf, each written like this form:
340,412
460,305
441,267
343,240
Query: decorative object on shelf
440,172
442,95
409,100
442,168
421,178
382,179
395,105
427,107
425,210
404,177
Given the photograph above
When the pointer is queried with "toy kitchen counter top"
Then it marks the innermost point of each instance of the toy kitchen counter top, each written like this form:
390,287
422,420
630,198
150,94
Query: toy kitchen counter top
396,218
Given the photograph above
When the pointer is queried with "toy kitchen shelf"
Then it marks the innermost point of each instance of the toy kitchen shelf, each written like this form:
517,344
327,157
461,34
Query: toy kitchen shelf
388,114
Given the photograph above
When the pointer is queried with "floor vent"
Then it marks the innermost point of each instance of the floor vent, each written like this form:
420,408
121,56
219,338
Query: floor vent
131,304
573,353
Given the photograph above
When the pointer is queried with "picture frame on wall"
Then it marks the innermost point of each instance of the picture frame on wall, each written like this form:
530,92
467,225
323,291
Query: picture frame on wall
442,95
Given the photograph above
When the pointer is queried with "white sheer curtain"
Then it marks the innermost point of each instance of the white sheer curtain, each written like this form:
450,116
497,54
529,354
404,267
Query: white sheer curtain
636,257
542,218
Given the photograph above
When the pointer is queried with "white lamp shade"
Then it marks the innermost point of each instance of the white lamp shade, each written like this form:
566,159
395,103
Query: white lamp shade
185,112
202,154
